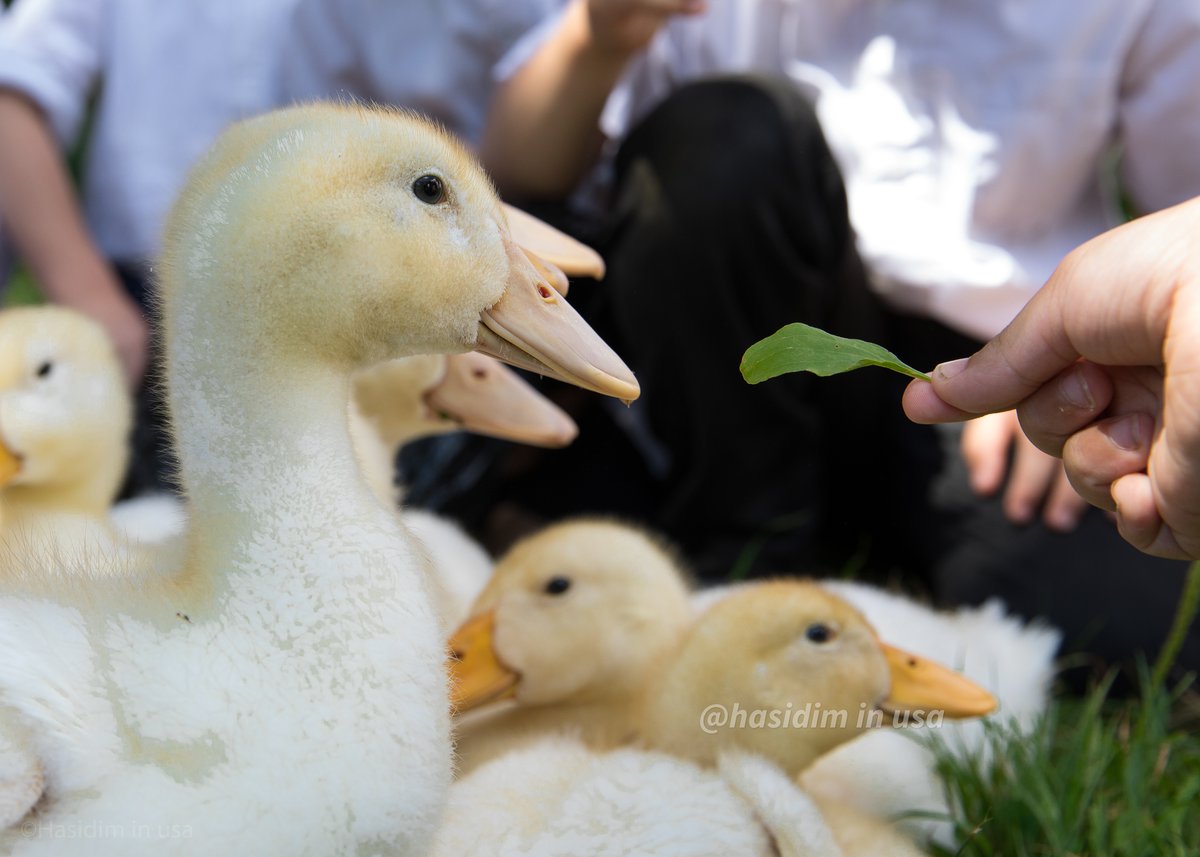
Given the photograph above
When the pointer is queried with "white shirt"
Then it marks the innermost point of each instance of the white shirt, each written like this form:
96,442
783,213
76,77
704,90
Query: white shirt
174,73
435,56
972,134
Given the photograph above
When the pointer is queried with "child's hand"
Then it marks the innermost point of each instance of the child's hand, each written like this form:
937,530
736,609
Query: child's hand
624,27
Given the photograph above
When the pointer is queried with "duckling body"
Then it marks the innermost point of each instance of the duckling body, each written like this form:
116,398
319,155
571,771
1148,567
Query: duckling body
558,797
784,648
768,649
462,566
282,690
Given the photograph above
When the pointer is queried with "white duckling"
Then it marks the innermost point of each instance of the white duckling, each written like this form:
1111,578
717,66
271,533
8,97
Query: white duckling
159,518
282,691
65,416
583,612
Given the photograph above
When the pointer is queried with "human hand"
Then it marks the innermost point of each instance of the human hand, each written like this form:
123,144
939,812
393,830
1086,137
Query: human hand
106,303
1037,479
624,27
1103,366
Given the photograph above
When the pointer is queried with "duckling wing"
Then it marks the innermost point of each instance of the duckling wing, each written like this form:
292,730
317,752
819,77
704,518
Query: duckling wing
788,814
559,799
22,777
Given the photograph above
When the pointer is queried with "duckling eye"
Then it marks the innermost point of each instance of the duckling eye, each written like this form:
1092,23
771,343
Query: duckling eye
557,585
818,633
44,369
429,189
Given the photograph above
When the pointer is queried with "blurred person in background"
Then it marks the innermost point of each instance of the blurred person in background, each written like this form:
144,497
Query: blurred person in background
160,81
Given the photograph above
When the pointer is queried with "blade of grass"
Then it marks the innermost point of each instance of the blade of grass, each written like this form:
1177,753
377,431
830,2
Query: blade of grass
1189,601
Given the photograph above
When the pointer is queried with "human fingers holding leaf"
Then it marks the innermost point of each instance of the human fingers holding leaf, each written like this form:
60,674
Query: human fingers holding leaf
1103,366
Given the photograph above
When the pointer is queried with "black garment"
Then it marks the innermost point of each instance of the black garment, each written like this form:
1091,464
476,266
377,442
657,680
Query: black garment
151,466
730,221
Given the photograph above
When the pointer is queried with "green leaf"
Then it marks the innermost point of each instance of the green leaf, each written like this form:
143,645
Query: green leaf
801,348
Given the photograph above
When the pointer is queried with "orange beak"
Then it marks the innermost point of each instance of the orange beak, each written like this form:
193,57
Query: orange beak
476,675
922,685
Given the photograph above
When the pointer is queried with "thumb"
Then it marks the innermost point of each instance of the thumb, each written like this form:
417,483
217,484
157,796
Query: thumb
1108,301
1029,352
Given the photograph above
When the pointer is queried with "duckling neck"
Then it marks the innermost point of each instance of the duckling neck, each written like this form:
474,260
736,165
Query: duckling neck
675,720
24,503
265,449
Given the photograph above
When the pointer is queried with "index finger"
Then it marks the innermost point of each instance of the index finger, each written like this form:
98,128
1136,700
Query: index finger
1109,301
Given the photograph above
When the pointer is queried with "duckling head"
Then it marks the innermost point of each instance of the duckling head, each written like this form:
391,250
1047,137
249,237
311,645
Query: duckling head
582,611
787,670
415,397
360,235
65,412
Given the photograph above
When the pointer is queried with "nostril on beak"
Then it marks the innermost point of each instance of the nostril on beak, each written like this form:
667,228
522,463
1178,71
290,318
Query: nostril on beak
547,294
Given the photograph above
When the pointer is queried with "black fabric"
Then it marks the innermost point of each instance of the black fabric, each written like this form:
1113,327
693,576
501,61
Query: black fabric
721,239
151,467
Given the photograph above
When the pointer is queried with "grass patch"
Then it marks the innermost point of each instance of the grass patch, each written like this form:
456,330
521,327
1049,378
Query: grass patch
22,290
1096,776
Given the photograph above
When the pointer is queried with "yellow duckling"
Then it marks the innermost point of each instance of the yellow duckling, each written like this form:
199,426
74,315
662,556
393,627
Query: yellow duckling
801,656
399,401
581,614
65,414
793,670
65,417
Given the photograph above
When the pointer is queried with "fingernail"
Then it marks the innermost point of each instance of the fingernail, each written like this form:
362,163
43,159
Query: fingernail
1125,433
1074,389
1020,514
946,371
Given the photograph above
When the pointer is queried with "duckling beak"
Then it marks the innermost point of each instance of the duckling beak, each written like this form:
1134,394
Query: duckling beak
533,327
476,674
10,464
557,248
920,684
486,397
552,273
